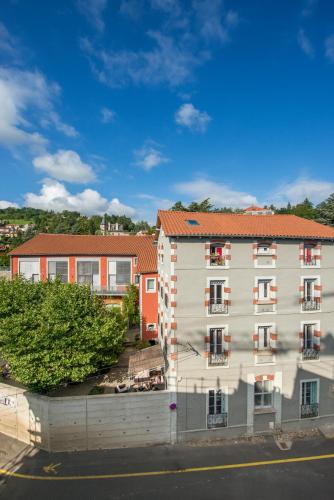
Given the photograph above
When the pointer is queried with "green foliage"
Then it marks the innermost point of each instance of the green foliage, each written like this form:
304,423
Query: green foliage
325,211
97,389
51,333
131,306
142,344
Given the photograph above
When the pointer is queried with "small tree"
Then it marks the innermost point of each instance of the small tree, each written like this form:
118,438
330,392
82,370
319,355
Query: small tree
51,333
131,306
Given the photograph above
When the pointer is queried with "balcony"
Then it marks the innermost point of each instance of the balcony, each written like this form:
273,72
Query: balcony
218,306
312,261
111,290
218,359
217,260
310,305
309,354
309,411
218,420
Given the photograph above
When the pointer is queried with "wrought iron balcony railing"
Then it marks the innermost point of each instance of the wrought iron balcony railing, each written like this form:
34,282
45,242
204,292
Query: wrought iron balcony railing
218,420
309,411
217,359
310,354
310,305
217,260
110,290
310,261
218,306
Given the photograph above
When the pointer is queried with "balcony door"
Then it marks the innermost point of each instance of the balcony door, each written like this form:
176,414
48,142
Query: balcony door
119,272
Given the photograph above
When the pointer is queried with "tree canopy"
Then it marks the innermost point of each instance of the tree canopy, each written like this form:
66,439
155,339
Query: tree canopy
52,333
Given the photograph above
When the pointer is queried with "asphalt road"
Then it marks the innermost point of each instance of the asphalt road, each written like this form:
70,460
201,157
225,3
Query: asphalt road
309,479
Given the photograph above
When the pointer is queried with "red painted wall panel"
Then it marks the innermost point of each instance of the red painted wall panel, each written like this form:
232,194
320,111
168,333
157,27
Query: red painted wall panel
149,307
43,269
72,269
104,272
15,265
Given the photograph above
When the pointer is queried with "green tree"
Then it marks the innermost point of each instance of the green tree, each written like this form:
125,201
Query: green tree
202,206
131,305
52,333
179,207
325,211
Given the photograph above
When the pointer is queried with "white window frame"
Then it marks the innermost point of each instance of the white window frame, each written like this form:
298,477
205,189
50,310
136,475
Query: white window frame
316,324
155,285
317,380
227,262
273,283
271,252
154,329
58,259
264,407
87,259
225,328
317,264
225,392
30,259
115,259
317,280
225,285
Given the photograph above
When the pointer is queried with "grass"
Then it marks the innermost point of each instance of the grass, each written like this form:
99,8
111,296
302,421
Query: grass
19,222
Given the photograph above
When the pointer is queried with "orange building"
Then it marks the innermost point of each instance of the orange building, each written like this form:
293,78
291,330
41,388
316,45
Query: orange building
107,263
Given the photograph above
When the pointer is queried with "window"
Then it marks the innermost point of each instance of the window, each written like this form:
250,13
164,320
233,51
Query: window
88,272
217,409
29,269
217,257
310,302
310,349
263,248
192,222
263,394
58,268
150,285
137,279
119,274
309,399
264,337
264,289
162,292
217,304
309,258
217,355
151,327
166,300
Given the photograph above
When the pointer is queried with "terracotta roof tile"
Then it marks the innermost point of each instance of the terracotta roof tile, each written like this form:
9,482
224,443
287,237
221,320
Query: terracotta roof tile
84,245
221,224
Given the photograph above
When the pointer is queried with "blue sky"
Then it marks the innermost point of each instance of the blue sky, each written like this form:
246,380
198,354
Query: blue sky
126,106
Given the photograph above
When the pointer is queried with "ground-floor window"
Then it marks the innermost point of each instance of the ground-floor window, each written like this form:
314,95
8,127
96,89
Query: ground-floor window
217,409
263,394
309,395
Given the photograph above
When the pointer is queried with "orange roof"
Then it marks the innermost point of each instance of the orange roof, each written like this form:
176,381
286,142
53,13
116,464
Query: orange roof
88,245
221,224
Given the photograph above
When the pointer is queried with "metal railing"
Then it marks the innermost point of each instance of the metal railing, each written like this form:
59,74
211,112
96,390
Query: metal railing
218,420
309,411
218,306
310,262
310,354
310,305
217,359
111,290
217,260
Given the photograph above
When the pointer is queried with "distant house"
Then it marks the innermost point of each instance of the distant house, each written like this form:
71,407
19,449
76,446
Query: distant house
254,210
108,264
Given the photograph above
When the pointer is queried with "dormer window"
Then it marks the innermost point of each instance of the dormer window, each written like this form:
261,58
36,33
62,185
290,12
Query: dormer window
264,248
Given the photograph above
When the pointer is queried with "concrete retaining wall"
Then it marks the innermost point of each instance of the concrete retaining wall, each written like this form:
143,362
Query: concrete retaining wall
86,422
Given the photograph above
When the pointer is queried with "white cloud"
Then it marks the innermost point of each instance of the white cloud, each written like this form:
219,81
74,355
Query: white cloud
7,43
220,195
149,156
6,204
24,93
213,21
107,115
309,6
54,196
65,165
194,119
329,48
301,188
305,43
93,11
168,62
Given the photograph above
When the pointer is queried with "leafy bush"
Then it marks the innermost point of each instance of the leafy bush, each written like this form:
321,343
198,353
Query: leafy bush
131,306
52,333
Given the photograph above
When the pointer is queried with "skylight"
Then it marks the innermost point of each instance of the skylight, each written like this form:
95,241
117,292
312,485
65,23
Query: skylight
192,222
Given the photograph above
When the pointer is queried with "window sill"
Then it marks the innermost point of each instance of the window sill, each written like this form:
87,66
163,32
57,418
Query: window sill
264,411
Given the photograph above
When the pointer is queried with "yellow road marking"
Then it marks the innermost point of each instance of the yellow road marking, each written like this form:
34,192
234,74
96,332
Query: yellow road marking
209,468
